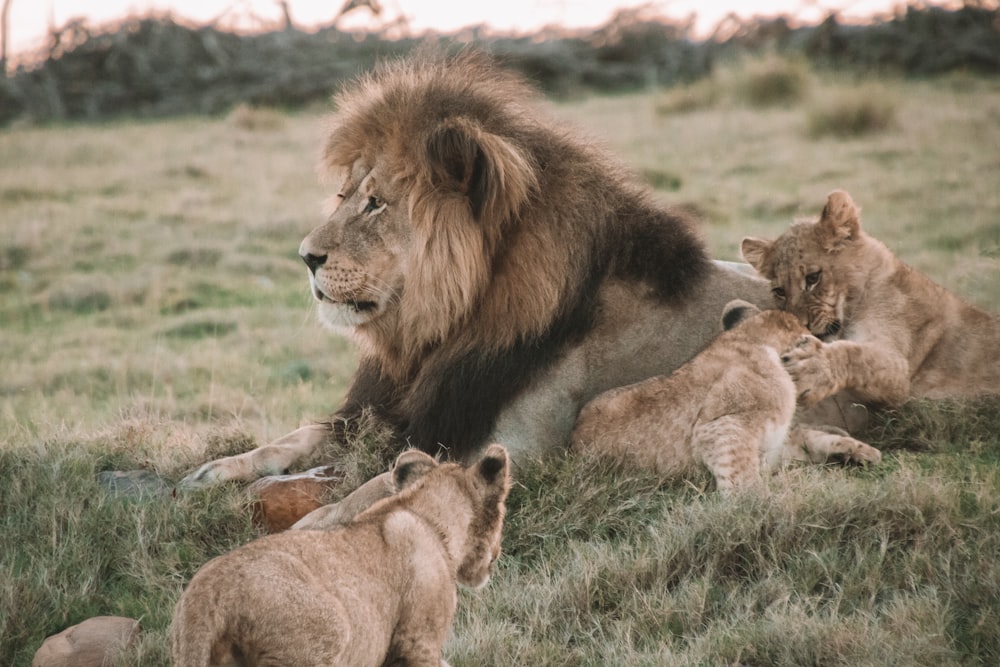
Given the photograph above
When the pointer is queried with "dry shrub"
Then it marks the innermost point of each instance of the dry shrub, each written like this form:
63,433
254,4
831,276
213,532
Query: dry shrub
247,117
773,82
854,113
702,94
762,83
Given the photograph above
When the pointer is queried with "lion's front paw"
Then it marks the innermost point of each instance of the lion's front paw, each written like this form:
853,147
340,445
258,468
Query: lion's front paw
860,452
210,474
810,370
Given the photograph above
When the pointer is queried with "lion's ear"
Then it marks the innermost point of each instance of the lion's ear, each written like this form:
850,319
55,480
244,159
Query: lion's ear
756,252
487,169
840,221
493,467
410,466
736,311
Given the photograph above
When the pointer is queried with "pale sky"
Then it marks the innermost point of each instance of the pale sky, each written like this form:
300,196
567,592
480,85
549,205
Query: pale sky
30,19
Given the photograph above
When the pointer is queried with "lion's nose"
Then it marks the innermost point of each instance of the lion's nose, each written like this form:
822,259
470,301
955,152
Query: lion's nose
313,261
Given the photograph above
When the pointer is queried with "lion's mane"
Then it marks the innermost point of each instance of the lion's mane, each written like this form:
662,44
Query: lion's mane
516,223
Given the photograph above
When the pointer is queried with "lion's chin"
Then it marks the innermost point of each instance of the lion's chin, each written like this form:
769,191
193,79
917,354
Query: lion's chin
348,315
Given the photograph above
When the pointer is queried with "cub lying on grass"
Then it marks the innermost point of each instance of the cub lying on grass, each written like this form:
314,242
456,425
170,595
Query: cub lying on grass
730,408
892,332
378,591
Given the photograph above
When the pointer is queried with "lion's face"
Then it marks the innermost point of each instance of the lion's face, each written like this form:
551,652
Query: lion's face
357,258
430,196
810,266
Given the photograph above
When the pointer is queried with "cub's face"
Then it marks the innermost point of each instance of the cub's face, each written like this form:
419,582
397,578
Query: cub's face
357,259
817,268
806,279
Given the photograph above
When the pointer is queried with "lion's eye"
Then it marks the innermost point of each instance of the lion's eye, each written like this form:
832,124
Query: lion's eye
778,292
813,278
374,205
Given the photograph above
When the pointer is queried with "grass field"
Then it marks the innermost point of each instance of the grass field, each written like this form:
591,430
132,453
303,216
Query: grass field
154,313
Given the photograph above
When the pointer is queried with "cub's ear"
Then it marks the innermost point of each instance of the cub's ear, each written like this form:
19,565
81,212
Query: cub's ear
494,466
410,466
757,253
487,169
736,311
840,221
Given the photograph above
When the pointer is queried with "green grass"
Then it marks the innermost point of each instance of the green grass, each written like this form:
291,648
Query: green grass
153,315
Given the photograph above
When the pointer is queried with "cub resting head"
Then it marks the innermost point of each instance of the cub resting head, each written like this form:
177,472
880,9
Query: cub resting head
380,590
730,408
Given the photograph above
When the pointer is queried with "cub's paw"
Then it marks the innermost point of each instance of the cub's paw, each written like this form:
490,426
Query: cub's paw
810,370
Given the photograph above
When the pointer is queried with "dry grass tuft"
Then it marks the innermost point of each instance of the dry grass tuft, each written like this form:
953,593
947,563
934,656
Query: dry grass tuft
852,113
774,82
703,94
942,426
247,117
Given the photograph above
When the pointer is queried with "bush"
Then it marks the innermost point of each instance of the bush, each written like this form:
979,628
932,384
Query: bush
854,113
696,96
774,82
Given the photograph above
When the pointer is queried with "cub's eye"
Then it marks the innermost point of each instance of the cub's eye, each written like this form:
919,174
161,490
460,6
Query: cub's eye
813,278
374,205
778,292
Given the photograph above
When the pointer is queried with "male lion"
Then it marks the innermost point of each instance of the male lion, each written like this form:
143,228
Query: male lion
496,270
893,333
379,591
730,408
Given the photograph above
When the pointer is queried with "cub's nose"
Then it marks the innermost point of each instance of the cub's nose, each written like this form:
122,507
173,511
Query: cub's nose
313,261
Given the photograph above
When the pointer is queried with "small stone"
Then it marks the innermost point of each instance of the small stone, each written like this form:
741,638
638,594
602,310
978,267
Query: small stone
93,643
281,500
134,484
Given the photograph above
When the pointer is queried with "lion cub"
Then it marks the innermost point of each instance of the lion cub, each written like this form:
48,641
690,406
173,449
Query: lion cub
730,408
892,333
380,590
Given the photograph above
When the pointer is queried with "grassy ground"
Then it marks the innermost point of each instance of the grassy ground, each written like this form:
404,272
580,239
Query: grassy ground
153,313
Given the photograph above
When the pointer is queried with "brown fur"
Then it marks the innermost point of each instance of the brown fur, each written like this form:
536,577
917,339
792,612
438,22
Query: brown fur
729,409
893,333
380,590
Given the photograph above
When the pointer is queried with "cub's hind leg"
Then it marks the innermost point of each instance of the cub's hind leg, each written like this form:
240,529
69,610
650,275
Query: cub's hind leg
730,447
819,444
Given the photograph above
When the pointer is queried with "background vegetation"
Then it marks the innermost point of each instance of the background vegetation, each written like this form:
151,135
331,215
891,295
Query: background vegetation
154,314
154,66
